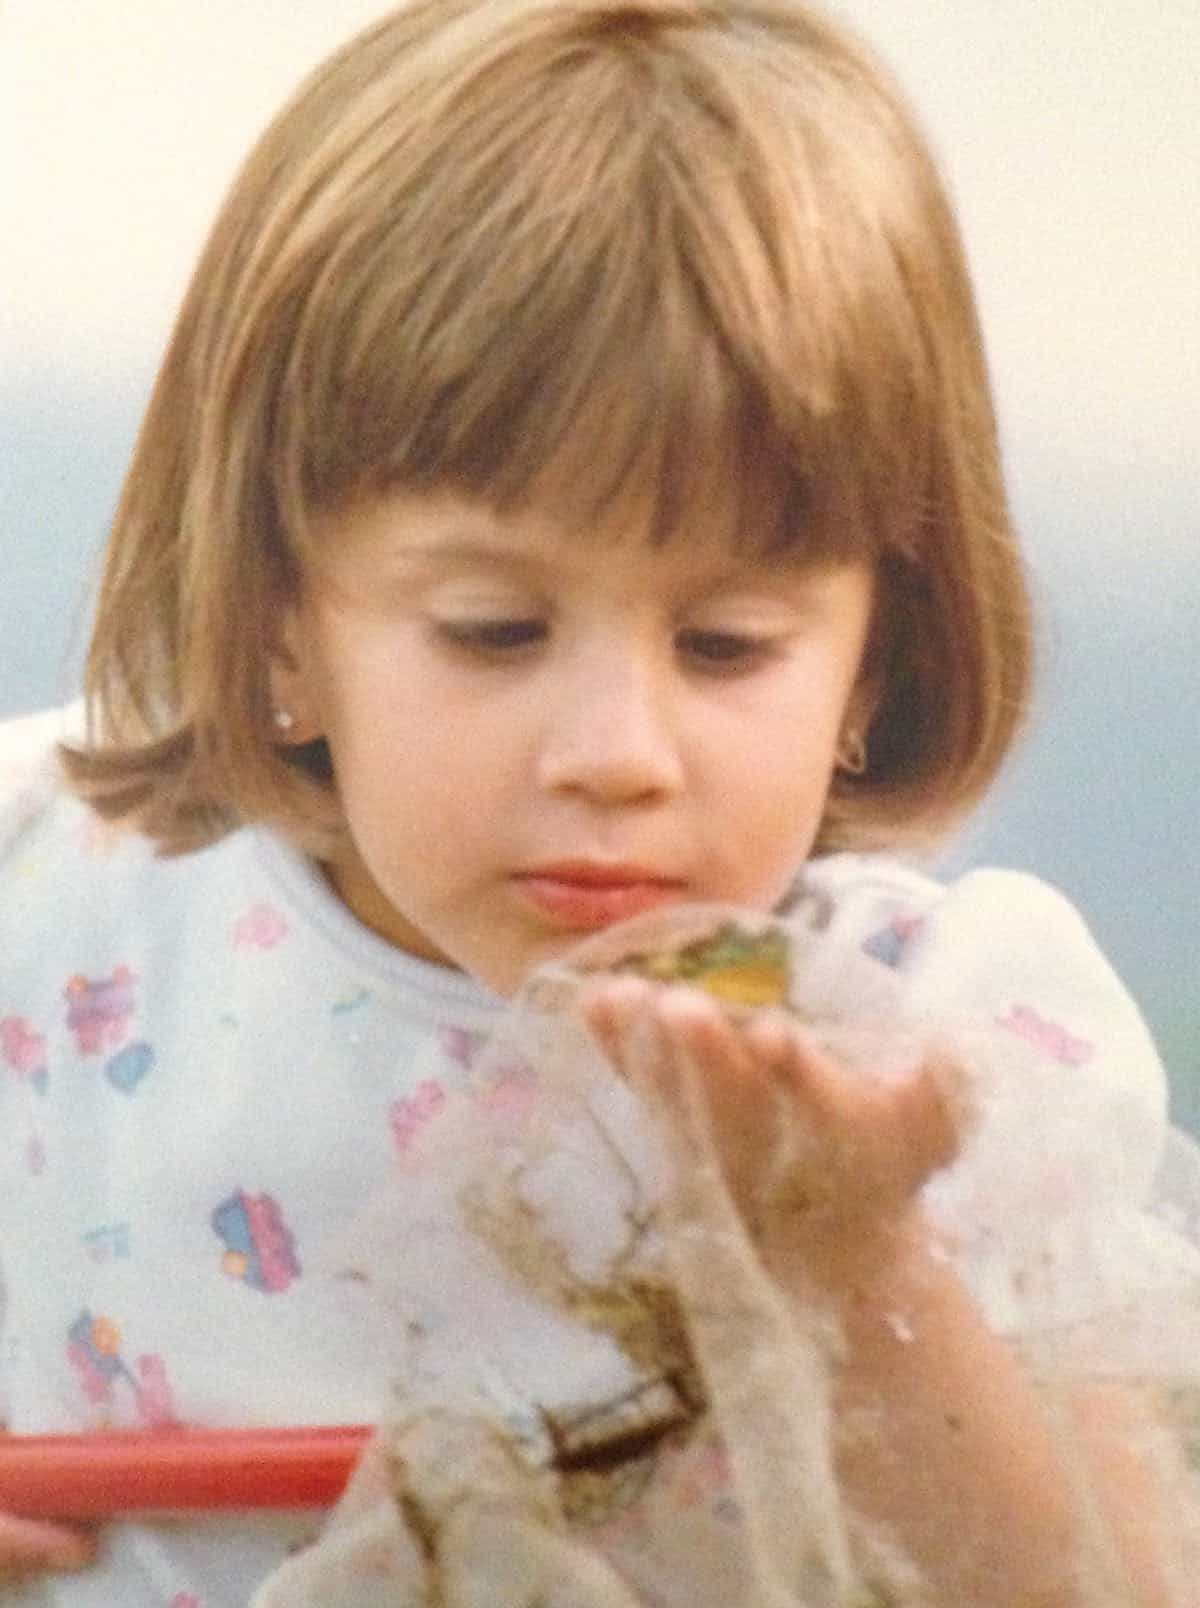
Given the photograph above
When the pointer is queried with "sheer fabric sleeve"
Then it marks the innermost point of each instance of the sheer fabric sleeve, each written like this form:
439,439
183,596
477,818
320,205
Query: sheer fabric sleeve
1059,1204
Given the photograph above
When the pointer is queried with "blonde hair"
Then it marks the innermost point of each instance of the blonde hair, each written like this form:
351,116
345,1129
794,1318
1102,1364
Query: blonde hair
565,251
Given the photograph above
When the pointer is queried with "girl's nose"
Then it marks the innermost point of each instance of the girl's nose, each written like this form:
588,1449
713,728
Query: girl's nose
610,735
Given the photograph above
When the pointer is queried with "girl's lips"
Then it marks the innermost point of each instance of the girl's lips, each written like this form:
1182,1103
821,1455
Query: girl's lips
585,898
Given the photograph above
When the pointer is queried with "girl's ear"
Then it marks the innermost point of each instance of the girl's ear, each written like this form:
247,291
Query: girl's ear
853,757
867,694
294,717
864,705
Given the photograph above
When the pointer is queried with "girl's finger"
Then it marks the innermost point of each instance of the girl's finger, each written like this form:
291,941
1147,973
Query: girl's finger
680,1047
715,1067
613,1007
914,1115
939,1092
816,1079
28,1546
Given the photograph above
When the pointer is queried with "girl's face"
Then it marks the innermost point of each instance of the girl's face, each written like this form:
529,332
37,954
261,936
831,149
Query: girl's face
536,734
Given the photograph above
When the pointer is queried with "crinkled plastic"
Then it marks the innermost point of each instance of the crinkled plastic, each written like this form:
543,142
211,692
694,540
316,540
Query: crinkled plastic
602,1400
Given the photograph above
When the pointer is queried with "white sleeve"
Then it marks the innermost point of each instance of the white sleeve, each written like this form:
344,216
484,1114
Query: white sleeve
1010,955
29,768
29,775
1048,1205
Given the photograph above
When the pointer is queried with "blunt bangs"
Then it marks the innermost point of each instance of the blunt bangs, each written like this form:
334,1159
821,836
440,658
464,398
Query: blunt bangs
621,274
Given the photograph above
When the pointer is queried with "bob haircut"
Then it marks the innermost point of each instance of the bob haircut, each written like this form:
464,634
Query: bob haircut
593,256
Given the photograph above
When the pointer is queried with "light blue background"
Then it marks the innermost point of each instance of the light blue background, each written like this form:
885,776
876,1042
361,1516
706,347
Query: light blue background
1069,134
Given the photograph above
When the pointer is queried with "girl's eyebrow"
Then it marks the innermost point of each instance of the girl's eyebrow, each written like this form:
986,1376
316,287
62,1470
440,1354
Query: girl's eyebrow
425,554
418,556
465,552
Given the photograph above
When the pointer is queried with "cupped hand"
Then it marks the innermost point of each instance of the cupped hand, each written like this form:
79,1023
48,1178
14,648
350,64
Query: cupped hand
823,1161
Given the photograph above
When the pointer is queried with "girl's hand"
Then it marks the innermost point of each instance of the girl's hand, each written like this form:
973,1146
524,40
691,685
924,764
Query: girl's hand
30,1547
823,1162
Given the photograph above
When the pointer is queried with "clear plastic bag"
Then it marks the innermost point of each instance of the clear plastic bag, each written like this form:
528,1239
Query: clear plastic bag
601,1398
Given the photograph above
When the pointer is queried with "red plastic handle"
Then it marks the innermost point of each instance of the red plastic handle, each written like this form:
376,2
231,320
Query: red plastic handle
96,1476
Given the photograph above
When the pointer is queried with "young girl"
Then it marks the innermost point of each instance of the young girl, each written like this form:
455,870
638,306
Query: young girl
571,492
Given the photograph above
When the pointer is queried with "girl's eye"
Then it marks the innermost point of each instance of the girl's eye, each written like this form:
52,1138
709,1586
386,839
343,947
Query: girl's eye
724,651
493,636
